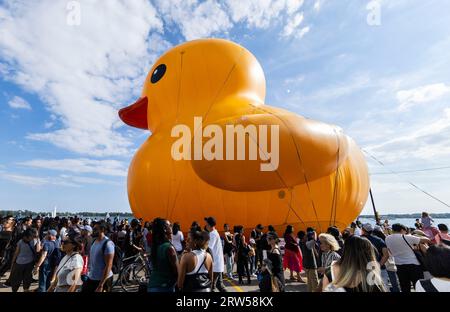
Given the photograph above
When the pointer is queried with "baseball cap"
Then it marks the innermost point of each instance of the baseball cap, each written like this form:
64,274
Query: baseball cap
367,227
211,221
52,233
259,227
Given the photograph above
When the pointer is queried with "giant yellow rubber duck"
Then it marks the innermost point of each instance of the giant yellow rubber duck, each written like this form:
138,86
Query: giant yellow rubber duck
320,177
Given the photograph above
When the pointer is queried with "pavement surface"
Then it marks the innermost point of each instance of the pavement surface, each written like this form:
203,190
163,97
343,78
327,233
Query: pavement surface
231,285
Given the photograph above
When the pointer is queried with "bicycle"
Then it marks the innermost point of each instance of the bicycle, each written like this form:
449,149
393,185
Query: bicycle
135,273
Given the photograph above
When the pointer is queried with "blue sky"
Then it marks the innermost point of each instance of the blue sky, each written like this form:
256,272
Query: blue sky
387,86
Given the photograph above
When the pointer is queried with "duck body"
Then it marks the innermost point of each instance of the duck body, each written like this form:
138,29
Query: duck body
321,177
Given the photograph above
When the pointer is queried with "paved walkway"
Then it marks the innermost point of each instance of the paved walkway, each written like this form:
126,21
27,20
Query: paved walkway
231,285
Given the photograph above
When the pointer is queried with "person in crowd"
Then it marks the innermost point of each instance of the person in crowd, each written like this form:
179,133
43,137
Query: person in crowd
177,239
292,259
252,256
37,224
86,240
121,235
329,247
401,246
427,225
101,256
356,271
195,226
196,266
133,238
391,268
49,259
24,259
257,235
215,245
163,257
382,252
274,255
418,224
442,237
307,242
437,262
242,255
346,234
387,230
332,230
75,225
67,276
19,230
63,228
228,250
6,243
354,227
145,232
267,282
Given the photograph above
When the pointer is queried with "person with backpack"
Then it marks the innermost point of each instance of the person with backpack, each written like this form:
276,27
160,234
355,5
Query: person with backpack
23,260
381,250
100,276
275,257
403,248
196,266
437,262
49,259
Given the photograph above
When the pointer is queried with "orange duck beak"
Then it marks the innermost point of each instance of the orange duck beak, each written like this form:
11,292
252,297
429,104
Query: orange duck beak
135,115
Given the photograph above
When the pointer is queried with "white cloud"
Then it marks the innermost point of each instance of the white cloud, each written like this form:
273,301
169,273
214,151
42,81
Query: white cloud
19,103
88,180
420,95
293,25
317,5
81,165
36,181
261,13
83,73
48,124
428,142
195,19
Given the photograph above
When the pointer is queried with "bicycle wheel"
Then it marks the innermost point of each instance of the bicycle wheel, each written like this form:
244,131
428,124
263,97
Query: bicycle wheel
131,277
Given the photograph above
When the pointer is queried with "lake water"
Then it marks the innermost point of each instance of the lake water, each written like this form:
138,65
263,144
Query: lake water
406,221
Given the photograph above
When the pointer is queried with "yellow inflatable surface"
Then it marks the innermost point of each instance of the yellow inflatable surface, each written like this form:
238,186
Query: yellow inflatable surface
292,170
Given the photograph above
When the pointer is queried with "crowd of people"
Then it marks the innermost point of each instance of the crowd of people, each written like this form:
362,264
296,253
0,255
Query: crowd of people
75,254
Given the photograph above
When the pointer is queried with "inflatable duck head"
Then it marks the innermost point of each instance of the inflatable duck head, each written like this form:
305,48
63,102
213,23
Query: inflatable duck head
209,77
320,178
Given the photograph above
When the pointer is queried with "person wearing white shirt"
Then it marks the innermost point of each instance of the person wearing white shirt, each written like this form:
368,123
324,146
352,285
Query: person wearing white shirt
437,261
177,239
67,276
401,246
215,245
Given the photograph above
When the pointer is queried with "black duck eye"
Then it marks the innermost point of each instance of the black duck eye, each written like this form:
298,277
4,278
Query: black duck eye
158,73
